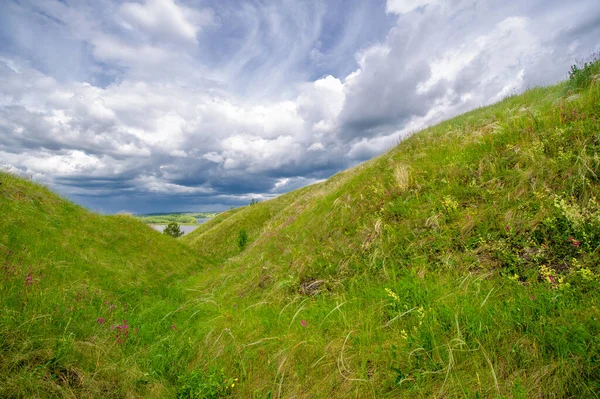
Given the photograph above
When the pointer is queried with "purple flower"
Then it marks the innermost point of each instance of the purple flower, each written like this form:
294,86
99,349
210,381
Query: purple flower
303,322
29,279
122,331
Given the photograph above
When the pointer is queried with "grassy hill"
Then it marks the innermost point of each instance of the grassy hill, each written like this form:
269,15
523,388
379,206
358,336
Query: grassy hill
463,263
84,299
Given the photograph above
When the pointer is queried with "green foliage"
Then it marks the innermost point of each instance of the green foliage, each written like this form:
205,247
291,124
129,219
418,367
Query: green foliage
583,73
242,239
173,230
200,385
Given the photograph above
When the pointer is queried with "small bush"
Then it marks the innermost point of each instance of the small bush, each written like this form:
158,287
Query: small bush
582,73
242,239
173,230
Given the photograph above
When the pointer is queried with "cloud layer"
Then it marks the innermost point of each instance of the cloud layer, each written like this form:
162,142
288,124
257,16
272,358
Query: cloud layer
165,105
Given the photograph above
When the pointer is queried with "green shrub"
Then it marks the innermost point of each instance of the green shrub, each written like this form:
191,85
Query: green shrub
582,73
242,239
173,230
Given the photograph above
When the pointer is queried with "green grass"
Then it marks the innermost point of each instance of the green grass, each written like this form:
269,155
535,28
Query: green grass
463,263
65,269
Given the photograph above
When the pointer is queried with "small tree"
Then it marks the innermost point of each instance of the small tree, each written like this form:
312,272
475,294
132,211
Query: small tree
242,239
173,230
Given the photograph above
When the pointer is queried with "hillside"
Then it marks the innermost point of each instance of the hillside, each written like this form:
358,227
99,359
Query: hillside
462,263
83,298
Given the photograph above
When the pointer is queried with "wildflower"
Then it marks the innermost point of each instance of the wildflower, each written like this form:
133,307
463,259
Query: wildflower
392,295
303,322
574,242
507,228
173,327
100,320
122,331
29,279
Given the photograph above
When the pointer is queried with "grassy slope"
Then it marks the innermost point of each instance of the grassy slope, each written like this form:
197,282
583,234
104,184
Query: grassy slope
463,263
62,268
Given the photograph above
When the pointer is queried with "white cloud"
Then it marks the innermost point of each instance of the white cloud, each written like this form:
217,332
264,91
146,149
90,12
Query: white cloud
112,49
406,6
165,19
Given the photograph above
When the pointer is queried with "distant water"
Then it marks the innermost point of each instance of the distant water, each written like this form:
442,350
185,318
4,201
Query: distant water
184,228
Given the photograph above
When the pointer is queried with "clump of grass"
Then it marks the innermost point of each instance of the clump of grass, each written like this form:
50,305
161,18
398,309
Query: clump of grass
583,73
204,385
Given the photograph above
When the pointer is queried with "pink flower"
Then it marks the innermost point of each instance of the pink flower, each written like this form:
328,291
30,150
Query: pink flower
29,279
303,322
574,242
173,327
100,320
122,331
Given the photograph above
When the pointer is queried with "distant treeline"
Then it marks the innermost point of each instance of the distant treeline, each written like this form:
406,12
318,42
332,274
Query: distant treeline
181,218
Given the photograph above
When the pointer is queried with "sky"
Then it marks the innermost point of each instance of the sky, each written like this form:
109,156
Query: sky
198,105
